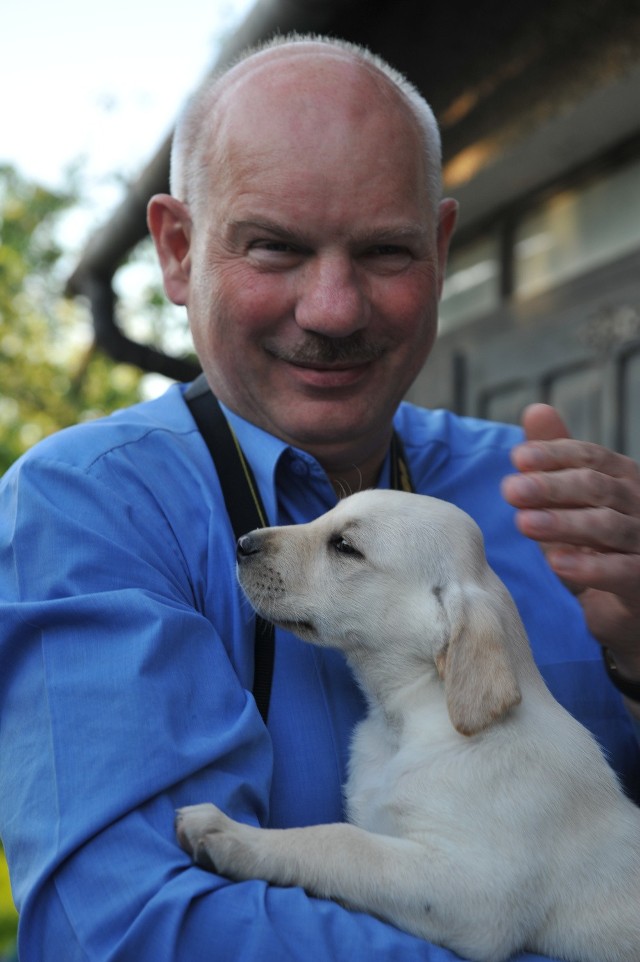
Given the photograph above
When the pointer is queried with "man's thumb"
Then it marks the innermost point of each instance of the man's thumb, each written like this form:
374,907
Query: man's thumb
541,422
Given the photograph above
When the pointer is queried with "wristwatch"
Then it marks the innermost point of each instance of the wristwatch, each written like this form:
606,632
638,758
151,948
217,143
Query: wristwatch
629,688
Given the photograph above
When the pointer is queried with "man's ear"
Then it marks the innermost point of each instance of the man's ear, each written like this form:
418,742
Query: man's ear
447,217
170,226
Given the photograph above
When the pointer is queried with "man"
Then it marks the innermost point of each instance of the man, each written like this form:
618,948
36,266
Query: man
307,239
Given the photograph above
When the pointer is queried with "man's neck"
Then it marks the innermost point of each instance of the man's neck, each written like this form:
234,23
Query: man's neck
350,478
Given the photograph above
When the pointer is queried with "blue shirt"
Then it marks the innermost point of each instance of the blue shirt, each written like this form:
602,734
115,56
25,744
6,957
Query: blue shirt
126,665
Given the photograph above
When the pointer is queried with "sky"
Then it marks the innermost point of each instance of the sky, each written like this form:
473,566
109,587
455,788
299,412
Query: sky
100,84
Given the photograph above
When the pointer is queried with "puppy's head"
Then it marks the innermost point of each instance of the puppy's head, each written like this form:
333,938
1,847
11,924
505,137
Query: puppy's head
398,579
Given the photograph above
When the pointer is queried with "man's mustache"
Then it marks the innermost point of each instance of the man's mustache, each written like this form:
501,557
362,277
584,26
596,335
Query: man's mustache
318,349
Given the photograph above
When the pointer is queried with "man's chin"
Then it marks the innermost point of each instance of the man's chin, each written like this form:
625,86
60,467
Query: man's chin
319,425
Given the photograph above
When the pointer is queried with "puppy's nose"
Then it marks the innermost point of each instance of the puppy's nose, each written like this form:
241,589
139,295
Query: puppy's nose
247,545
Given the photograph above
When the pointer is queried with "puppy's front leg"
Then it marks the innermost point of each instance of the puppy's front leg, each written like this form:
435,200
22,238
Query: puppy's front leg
371,873
220,844
238,851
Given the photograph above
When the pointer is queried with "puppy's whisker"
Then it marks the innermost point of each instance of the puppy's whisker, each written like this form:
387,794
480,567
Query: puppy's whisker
345,488
246,604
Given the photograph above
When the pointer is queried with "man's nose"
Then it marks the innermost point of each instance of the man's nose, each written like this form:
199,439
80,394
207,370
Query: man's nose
332,299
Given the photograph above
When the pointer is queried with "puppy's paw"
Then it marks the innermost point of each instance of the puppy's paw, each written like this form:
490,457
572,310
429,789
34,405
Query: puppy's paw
195,821
216,842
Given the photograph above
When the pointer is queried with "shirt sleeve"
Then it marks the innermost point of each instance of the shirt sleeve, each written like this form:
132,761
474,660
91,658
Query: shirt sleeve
120,703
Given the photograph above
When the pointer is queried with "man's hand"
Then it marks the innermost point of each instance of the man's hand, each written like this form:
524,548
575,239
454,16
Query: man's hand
581,502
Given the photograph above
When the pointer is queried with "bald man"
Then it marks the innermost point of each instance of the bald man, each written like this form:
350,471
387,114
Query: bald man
307,237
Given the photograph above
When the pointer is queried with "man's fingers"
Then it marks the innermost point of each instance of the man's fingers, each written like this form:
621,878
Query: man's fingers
598,529
617,574
573,488
581,503
550,447
569,453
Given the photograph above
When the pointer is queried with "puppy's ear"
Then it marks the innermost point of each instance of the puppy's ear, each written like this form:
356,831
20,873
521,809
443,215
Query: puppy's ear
479,680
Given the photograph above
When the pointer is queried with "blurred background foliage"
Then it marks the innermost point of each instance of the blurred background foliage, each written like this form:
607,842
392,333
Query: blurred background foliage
51,374
8,914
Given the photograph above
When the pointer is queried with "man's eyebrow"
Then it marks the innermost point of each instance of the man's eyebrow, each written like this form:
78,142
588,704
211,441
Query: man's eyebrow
393,232
268,226
384,234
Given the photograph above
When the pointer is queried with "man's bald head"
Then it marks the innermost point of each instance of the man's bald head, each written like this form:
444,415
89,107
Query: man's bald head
300,69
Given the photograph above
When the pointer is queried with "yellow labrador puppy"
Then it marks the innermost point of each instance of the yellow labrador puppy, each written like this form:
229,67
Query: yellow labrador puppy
483,816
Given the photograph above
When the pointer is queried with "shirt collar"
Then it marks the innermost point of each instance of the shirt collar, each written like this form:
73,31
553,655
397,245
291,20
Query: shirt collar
266,453
263,452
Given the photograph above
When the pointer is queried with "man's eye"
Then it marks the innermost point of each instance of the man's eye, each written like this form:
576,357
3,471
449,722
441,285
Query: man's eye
388,258
389,250
342,546
275,254
276,247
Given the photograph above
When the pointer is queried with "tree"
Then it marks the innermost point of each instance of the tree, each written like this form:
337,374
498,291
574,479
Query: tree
51,374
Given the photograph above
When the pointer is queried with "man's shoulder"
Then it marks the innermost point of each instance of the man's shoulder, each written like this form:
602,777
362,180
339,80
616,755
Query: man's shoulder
130,433
141,475
424,429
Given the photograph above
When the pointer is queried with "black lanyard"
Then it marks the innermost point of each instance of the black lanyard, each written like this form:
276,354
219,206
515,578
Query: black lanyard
246,511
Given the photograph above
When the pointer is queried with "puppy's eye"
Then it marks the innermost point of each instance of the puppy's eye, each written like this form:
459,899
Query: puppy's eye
342,546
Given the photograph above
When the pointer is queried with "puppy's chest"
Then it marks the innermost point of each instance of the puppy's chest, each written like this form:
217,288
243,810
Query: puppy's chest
376,782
